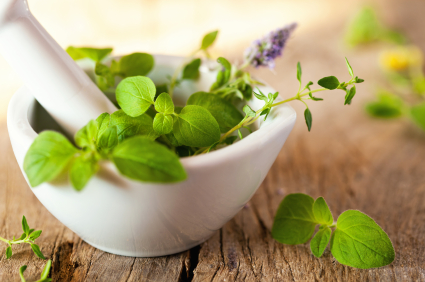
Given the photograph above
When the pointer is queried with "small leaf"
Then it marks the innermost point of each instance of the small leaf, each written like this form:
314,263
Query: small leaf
209,39
128,126
329,82
31,231
223,76
95,54
87,136
135,95
82,169
196,127
46,270
299,72
21,272
321,212
265,112
248,111
23,236
310,94
240,134
388,105
359,242
25,226
145,160
35,235
37,251
350,95
320,241
260,96
358,80
225,113
191,70
350,69
417,113
308,118
164,104
163,123
136,64
8,252
109,139
47,157
102,124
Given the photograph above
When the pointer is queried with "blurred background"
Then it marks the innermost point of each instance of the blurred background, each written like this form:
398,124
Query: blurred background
176,28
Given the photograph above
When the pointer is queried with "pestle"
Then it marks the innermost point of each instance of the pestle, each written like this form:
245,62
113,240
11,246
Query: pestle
52,76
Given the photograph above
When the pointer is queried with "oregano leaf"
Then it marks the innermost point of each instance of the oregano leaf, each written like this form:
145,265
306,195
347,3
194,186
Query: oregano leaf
82,169
248,111
321,212
164,104
359,242
350,69
36,249
329,82
320,241
191,70
209,39
135,95
136,64
8,252
308,118
163,123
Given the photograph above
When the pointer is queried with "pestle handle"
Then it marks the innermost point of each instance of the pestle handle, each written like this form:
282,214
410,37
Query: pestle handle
52,76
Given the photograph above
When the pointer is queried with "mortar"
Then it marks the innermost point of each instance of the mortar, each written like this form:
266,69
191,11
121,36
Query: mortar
130,218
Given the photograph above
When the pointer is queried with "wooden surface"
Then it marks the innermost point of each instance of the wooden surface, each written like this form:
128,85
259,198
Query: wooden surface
353,161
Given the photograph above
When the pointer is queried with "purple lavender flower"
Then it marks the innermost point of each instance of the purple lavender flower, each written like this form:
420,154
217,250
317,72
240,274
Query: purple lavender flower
263,52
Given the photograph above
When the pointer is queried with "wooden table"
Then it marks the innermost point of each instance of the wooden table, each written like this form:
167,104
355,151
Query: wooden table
353,161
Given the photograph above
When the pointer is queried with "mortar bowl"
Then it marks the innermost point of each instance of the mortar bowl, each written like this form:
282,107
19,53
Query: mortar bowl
130,218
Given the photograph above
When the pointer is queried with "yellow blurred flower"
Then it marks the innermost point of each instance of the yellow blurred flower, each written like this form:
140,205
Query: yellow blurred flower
401,58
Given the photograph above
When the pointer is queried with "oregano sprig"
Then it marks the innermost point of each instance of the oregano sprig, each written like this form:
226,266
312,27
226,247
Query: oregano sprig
28,236
355,238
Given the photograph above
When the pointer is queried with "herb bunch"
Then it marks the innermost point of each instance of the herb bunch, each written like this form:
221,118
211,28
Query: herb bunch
146,137
28,236
355,238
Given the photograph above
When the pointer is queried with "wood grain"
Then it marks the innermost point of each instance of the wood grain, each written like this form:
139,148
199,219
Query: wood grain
354,162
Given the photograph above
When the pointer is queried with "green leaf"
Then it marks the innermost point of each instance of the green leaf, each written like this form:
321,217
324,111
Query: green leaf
102,124
196,127
246,92
191,70
82,169
260,96
321,212
209,39
226,115
95,54
359,242
34,235
105,73
23,236
223,76
329,82
308,118
417,114
350,95
350,69
136,64
25,226
240,134
109,139
46,271
21,272
135,95
320,241
388,105
47,157
87,136
31,231
146,160
8,252
248,111
265,112
128,126
163,123
358,80
37,251
294,222
310,94
164,104
299,72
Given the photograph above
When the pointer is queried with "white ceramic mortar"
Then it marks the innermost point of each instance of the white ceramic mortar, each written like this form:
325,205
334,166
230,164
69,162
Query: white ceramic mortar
130,218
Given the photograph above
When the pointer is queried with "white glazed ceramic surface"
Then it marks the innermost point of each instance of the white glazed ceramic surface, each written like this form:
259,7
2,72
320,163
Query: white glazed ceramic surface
131,218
